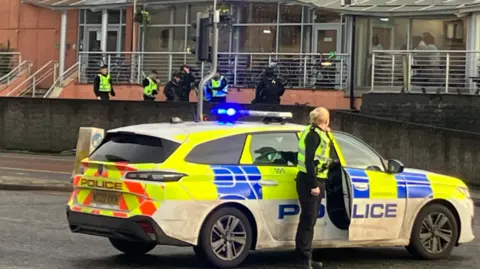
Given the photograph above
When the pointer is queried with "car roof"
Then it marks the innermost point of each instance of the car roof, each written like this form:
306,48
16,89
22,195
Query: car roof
178,132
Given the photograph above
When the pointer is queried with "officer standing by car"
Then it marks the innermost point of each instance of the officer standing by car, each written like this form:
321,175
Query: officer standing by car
150,86
313,165
216,89
270,89
102,84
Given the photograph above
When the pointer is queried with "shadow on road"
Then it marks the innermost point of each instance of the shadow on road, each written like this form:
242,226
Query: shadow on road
265,259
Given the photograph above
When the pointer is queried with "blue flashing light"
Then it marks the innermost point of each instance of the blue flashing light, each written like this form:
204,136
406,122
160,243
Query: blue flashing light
230,113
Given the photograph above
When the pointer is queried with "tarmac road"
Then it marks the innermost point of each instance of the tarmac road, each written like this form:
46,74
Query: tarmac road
34,234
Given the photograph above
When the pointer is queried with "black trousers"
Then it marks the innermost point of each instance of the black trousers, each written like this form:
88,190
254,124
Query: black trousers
104,95
310,207
148,98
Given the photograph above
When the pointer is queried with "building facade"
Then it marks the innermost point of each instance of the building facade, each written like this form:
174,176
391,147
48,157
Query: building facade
317,45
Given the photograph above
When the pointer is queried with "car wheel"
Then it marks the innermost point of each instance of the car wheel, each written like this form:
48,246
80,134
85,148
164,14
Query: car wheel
225,238
434,233
131,247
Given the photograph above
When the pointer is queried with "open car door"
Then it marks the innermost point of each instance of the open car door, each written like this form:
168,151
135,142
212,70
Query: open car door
378,199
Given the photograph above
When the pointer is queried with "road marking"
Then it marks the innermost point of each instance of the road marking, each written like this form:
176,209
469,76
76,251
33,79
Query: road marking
34,170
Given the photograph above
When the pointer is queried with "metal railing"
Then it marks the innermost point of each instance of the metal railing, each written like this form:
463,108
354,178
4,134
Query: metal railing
434,71
9,61
7,79
64,78
30,85
243,70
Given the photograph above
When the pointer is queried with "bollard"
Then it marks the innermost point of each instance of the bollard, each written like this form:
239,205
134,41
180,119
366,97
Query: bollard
88,139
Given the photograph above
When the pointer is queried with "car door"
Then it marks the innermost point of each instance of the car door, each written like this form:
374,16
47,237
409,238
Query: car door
274,154
378,198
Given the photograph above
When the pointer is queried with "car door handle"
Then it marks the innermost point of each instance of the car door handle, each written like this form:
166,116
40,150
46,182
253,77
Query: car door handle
268,182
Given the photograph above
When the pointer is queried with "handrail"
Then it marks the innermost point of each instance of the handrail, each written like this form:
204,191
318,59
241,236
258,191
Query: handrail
31,77
14,71
57,81
220,53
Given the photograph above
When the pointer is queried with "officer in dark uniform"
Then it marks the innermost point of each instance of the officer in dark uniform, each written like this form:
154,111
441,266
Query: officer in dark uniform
313,165
187,79
173,89
270,89
102,84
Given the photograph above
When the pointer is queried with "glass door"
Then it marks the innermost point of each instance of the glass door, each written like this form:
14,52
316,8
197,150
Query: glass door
92,43
326,69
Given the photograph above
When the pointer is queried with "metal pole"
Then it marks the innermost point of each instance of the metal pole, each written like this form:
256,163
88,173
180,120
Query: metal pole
134,27
216,20
103,42
63,43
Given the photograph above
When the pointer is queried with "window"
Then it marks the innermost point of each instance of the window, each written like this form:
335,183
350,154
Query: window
289,39
160,15
325,16
256,38
134,148
226,150
180,13
290,13
255,13
357,154
274,149
442,34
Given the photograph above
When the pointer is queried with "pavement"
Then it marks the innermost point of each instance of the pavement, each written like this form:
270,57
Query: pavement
35,235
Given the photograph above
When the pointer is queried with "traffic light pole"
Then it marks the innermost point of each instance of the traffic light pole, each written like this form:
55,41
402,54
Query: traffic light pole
214,55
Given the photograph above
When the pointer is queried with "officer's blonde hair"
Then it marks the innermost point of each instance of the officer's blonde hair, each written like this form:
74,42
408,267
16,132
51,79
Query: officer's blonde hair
319,115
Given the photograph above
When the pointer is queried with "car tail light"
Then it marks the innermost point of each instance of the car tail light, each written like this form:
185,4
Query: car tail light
160,176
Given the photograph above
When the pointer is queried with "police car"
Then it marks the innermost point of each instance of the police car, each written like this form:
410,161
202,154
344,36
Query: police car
228,188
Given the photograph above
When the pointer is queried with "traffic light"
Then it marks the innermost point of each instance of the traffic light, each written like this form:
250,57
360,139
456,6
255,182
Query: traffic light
201,38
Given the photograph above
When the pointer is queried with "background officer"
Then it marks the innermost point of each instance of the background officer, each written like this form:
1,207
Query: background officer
269,89
187,79
173,89
313,165
102,84
216,89
150,86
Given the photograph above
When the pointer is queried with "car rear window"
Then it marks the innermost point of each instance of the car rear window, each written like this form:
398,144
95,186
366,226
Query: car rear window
133,148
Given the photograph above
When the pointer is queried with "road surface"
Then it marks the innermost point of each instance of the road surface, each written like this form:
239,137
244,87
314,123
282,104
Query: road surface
35,235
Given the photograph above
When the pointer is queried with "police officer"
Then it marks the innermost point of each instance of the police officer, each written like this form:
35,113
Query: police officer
173,89
150,86
102,84
270,89
313,165
216,89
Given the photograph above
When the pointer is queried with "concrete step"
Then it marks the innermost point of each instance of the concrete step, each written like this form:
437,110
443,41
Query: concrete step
39,92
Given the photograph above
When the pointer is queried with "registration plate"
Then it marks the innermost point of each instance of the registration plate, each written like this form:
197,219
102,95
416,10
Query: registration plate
106,198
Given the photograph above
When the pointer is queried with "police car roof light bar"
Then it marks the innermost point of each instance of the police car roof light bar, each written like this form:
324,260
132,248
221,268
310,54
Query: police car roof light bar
269,116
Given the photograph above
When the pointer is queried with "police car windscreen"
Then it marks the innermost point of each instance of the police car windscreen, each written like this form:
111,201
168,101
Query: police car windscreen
133,148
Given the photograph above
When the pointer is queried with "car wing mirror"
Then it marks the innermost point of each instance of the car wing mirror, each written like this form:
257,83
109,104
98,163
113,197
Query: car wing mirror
395,166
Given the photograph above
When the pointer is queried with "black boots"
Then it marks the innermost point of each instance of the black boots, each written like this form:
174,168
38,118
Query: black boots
312,265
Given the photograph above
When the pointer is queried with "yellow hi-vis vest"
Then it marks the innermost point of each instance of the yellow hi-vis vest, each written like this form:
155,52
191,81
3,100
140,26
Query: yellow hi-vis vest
215,86
105,85
152,86
322,153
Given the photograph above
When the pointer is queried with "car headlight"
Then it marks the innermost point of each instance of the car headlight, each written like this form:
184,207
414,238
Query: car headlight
464,191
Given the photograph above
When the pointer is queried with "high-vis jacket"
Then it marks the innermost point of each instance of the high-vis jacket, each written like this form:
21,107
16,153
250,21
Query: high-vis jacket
322,153
105,85
150,88
216,88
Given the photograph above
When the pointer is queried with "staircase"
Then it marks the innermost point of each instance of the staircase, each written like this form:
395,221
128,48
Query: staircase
31,87
39,92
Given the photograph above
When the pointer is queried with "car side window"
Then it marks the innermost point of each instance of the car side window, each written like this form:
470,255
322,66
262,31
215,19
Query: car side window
274,149
357,154
227,150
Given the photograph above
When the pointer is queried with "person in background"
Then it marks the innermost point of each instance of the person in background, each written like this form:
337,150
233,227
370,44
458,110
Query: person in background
187,80
150,86
216,89
173,88
102,84
269,90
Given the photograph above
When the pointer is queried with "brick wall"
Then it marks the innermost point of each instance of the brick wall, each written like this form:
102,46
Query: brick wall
461,112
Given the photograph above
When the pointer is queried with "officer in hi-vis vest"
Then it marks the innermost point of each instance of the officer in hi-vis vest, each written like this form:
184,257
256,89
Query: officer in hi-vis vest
102,84
216,90
313,165
150,86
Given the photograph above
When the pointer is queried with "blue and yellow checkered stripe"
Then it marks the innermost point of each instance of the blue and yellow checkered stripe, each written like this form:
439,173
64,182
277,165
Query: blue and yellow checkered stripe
375,185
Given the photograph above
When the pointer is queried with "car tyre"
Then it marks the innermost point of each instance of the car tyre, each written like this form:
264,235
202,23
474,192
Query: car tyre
131,247
227,248
435,241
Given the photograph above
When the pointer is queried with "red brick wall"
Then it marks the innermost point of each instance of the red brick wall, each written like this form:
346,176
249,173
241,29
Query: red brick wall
328,98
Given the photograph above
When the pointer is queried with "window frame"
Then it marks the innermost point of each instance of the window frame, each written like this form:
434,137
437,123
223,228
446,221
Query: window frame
270,132
382,160
212,140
